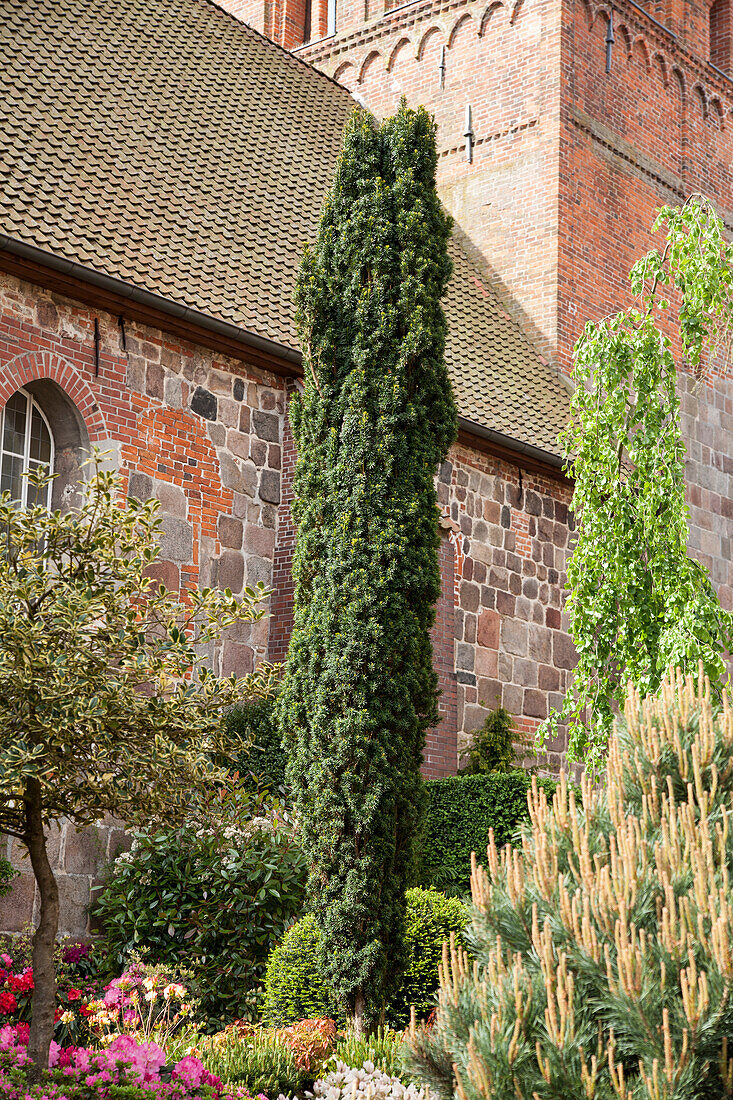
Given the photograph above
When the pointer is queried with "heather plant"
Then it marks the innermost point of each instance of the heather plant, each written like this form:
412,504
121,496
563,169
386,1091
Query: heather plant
602,964
375,419
381,1049
255,1059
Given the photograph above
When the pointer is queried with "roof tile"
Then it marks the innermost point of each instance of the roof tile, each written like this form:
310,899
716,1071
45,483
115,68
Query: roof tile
165,142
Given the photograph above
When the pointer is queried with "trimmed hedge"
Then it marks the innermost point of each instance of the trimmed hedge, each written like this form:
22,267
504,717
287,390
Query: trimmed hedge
460,811
295,988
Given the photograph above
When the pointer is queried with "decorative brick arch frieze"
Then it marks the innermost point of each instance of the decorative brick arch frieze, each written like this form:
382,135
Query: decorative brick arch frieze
39,365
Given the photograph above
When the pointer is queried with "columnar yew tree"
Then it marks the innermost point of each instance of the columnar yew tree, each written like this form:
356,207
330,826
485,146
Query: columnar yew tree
375,418
638,602
106,705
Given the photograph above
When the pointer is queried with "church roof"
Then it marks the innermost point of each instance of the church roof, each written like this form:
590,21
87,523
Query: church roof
165,143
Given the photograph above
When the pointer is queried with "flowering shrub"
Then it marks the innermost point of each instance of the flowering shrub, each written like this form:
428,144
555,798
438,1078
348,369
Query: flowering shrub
214,896
144,1002
77,1073
78,983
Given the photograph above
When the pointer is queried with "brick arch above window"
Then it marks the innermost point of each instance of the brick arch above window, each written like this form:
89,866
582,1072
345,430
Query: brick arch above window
40,365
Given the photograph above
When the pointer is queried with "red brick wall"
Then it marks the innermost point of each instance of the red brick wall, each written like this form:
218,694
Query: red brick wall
284,21
503,60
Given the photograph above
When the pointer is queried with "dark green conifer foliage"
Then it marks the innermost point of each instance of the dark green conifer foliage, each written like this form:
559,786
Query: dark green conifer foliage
375,419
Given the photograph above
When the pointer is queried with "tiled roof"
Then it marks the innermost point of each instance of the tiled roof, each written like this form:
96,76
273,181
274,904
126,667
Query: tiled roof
167,144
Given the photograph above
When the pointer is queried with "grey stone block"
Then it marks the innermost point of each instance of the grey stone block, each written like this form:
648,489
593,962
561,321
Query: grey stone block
267,426
270,486
514,637
177,539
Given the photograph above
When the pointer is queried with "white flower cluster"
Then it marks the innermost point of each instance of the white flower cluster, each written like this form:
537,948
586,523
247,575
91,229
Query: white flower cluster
368,1083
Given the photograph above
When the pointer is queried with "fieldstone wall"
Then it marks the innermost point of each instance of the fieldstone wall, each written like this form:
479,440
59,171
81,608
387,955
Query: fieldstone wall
78,860
511,535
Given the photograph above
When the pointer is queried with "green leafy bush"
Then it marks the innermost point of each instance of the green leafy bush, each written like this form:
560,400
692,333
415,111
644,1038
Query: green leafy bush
262,758
258,1061
295,986
460,811
429,921
212,897
603,942
492,745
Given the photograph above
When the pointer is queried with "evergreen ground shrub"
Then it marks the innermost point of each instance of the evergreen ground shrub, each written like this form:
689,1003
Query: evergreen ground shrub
460,811
601,944
295,986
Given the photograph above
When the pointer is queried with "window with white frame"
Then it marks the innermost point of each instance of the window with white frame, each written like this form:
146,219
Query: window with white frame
26,443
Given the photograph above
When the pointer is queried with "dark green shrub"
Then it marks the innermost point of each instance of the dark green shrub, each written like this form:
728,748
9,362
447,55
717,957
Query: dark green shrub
460,811
375,419
492,745
213,898
295,987
263,759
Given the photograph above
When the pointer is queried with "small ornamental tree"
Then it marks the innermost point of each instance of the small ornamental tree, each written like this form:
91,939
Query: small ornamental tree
106,705
375,419
602,964
638,603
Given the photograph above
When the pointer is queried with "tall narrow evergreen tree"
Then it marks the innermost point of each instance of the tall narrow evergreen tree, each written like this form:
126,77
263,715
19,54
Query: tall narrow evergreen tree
375,419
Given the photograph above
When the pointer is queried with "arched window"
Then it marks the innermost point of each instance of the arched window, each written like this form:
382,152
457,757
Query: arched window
26,443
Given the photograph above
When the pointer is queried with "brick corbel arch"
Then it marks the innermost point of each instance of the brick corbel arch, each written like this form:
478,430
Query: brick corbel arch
38,365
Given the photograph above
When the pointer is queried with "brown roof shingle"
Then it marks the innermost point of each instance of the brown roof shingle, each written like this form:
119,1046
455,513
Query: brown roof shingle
167,144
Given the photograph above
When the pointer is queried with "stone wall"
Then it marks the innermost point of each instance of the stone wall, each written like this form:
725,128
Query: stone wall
77,859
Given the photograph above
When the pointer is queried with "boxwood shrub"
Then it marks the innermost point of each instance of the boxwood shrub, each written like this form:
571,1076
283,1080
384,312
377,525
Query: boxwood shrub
459,813
294,986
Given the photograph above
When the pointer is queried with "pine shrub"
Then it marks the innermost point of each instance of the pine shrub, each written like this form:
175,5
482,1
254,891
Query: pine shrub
296,985
603,965
375,419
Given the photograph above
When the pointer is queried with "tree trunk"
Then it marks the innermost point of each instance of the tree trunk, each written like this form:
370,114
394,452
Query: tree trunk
43,1005
359,1021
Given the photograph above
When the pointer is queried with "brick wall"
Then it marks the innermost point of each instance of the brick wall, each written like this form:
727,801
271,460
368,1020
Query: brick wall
504,61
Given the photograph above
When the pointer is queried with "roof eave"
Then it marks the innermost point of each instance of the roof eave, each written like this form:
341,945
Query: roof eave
125,292
109,293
